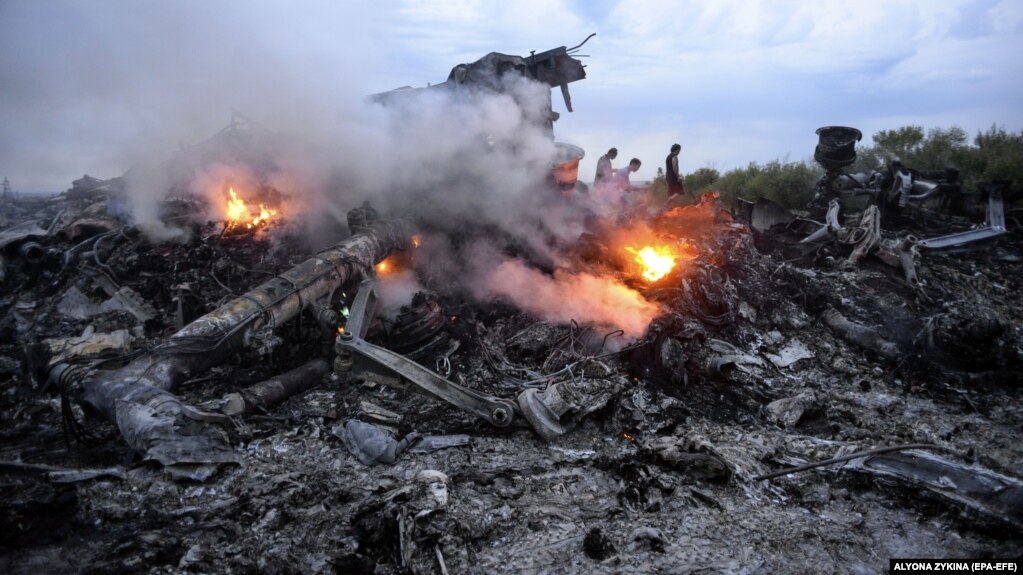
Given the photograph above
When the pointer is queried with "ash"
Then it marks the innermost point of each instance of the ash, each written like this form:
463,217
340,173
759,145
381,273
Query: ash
765,354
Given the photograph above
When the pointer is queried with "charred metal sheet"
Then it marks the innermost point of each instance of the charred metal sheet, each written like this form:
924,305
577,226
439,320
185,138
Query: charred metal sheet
765,214
993,494
994,227
21,232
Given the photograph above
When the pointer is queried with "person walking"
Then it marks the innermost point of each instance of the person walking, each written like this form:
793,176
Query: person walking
604,169
676,187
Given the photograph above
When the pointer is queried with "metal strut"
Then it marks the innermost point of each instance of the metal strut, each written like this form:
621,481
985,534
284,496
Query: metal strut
383,365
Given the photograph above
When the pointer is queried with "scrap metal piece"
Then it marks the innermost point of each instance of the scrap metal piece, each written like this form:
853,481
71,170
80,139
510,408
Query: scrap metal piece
901,253
273,391
21,232
830,228
765,214
64,349
865,237
545,409
374,411
994,227
498,412
383,365
371,444
982,490
431,443
126,395
128,300
32,253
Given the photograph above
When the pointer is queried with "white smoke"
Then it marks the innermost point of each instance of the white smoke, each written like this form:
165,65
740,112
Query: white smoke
566,296
149,85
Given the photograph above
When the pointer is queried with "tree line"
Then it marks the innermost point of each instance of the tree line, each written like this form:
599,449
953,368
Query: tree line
995,154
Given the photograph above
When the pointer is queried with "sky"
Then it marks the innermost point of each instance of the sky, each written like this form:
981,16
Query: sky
92,87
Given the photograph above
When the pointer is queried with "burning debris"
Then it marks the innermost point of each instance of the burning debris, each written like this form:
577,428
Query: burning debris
239,215
432,392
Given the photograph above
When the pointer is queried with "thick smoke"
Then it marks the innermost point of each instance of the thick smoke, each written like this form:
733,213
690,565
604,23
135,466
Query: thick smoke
153,84
566,296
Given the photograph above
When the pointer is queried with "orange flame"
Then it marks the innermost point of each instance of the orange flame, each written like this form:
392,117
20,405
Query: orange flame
238,212
236,208
656,262
264,215
416,241
384,267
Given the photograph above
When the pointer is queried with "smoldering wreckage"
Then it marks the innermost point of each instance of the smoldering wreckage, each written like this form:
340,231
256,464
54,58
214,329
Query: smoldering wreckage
770,393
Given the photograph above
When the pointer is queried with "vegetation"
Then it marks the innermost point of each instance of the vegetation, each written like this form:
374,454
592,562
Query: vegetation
992,155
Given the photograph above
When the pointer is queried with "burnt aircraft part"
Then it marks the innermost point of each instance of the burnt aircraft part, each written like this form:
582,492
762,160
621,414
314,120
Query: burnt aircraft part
418,330
556,68
270,393
383,365
896,187
545,409
499,412
213,338
860,335
765,214
994,227
32,253
992,494
836,147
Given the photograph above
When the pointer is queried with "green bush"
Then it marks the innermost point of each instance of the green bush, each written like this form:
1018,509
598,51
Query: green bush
790,184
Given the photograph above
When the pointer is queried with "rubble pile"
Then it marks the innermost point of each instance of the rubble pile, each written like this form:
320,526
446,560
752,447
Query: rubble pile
530,446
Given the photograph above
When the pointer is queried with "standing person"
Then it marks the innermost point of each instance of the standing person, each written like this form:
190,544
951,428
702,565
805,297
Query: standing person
620,181
671,174
604,169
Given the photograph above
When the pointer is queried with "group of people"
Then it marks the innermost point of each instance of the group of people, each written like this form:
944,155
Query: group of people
618,180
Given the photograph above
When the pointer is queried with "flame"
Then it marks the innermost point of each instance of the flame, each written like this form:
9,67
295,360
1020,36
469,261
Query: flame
236,208
416,241
656,262
264,215
340,329
384,267
238,212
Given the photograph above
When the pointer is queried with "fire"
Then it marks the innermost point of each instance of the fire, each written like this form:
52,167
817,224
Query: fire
236,208
416,241
264,215
384,267
656,262
238,212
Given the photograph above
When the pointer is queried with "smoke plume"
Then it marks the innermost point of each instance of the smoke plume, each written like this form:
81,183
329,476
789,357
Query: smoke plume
566,296
470,166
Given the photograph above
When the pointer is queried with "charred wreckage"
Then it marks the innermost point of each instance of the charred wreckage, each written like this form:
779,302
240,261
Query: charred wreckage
789,368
